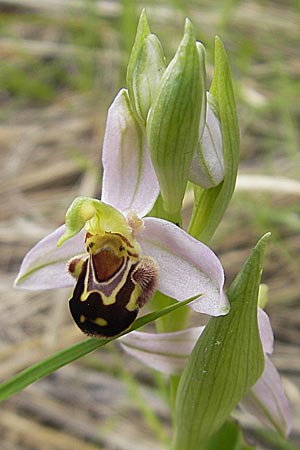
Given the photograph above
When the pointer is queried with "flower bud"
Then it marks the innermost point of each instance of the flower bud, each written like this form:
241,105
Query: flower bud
147,74
173,121
142,32
208,166
145,68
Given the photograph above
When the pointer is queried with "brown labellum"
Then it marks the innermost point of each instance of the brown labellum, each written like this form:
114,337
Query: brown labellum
111,287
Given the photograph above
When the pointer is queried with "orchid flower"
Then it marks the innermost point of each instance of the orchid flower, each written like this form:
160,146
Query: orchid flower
168,353
109,247
162,131
117,255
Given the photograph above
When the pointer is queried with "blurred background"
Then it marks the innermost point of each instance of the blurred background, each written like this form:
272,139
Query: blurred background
62,62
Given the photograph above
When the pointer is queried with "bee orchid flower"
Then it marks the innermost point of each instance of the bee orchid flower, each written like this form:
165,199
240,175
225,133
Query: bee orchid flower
114,255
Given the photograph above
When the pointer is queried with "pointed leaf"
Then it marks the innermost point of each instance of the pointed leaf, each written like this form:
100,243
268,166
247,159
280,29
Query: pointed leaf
226,361
60,359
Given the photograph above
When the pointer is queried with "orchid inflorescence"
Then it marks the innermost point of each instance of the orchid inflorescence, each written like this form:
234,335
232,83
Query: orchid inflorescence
166,135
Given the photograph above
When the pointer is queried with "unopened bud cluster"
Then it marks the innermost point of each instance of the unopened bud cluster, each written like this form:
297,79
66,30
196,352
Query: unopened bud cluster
171,109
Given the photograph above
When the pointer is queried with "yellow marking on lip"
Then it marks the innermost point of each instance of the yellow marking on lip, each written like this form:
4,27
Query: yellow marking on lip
84,296
106,300
100,321
112,298
132,304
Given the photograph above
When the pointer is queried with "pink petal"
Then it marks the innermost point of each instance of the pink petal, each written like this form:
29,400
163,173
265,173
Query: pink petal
129,180
265,331
165,352
45,265
187,267
268,402
207,166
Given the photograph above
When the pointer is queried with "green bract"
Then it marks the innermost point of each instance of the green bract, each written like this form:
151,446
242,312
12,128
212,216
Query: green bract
69,354
226,361
173,121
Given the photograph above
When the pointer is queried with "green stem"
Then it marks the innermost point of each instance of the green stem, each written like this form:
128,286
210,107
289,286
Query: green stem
159,211
272,439
178,320
203,204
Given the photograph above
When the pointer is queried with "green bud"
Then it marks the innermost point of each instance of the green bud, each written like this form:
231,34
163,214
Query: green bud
142,32
225,363
173,121
147,74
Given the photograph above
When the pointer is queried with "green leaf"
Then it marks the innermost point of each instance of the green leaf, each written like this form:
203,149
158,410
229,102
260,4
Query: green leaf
228,437
211,204
60,359
226,361
272,440
173,121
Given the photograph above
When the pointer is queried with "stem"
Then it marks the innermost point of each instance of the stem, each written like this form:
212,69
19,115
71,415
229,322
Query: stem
178,320
203,204
159,211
